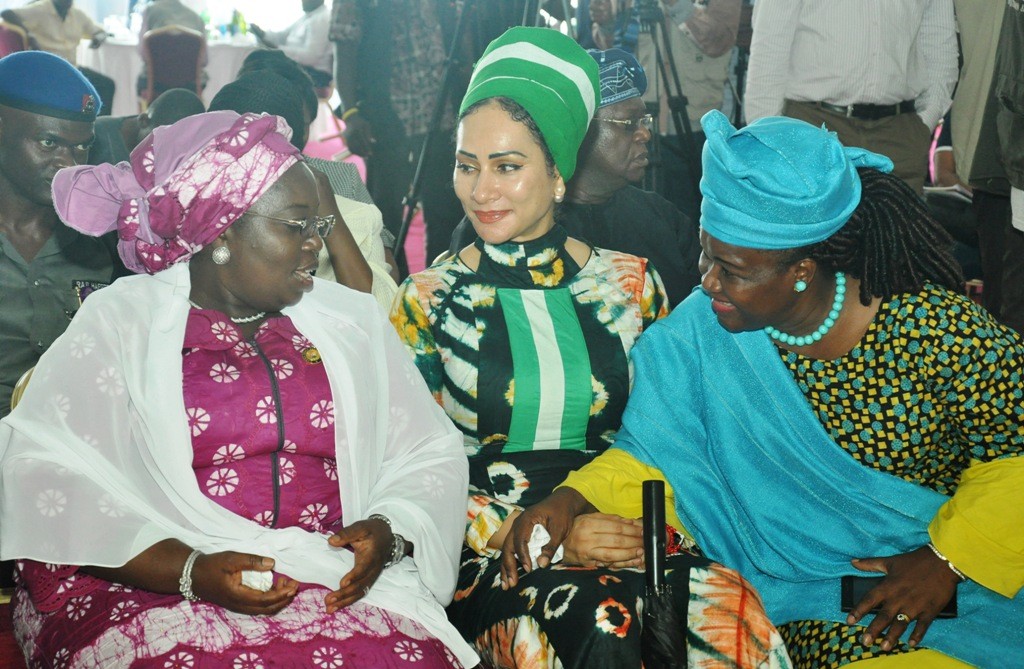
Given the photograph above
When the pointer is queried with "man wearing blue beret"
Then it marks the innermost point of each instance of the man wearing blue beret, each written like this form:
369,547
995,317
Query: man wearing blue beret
47,111
57,26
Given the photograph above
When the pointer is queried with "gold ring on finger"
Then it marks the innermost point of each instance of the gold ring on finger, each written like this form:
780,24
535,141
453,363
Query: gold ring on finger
903,617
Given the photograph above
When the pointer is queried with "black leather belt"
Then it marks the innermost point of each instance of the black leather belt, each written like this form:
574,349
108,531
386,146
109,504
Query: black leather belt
868,112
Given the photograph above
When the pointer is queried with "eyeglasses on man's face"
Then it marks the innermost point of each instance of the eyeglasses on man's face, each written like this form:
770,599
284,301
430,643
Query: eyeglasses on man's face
633,124
322,224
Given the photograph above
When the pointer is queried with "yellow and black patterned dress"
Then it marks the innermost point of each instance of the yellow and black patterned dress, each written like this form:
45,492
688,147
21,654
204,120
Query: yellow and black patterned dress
932,397
528,355
934,385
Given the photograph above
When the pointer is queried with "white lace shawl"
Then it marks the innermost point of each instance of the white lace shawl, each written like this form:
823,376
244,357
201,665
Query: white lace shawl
96,460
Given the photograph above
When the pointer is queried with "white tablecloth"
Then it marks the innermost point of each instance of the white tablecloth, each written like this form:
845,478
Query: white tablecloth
120,60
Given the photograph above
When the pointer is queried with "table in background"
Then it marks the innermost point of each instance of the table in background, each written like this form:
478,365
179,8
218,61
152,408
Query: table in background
120,60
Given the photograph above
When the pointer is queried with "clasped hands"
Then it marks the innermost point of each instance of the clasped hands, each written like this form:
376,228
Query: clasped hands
217,577
589,538
916,584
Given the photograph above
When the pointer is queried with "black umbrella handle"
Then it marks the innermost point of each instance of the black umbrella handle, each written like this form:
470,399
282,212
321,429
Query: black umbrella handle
654,535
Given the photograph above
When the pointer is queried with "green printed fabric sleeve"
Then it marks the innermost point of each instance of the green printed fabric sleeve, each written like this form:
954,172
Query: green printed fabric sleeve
654,302
413,327
485,516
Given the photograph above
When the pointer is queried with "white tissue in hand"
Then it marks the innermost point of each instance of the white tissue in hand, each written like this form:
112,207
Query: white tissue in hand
538,540
258,580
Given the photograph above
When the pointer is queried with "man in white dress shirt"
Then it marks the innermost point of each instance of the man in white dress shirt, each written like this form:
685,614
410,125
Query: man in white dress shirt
880,73
305,42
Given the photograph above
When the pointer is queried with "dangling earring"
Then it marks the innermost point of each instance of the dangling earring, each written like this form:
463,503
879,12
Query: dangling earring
799,286
221,255
559,198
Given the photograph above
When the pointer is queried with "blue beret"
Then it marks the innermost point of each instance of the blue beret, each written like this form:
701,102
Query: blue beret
778,183
45,84
621,75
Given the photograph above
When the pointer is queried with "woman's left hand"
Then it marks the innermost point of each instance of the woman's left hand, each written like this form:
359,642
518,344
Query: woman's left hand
371,542
604,540
916,584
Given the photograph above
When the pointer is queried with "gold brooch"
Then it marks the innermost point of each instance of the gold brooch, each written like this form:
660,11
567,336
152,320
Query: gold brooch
312,356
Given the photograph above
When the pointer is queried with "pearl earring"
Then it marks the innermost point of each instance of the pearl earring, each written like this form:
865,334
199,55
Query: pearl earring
800,286
221,255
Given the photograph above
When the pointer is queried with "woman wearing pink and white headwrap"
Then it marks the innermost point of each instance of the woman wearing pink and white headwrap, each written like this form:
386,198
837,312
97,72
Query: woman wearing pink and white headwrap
225,462
184,185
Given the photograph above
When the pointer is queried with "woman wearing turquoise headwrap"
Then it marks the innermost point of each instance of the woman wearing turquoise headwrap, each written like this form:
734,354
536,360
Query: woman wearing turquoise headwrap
524,340
830,404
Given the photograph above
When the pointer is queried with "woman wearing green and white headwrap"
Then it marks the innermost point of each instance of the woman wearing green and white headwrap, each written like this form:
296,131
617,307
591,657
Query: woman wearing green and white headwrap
524,339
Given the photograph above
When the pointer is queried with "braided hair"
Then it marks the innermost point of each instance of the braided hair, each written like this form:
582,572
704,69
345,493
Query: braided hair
891,243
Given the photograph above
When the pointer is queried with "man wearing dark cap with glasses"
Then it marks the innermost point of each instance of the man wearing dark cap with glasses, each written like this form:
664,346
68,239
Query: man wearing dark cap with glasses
602,206
47,111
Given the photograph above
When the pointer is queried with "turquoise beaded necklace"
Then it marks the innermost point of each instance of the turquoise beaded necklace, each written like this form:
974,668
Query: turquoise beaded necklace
830,320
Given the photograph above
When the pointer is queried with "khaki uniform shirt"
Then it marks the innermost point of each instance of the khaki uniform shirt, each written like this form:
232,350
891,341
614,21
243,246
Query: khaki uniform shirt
54,34
170,13
38,298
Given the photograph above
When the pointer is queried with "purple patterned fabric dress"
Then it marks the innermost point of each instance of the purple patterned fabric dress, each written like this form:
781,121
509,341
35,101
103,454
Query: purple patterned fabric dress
262,421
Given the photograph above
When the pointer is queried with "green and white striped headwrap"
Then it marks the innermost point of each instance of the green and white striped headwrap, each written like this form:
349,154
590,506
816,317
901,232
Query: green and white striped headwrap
551,76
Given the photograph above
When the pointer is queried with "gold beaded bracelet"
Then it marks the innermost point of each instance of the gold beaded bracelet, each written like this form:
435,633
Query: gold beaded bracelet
963,576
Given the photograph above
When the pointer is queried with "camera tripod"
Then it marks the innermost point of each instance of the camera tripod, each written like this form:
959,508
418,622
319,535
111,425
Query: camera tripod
653,23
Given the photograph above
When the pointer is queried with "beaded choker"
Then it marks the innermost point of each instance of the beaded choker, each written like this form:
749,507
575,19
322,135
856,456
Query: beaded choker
242,320
830,320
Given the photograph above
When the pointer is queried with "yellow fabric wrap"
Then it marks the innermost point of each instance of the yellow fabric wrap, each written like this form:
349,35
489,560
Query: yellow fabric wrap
979,528
921,659
613,482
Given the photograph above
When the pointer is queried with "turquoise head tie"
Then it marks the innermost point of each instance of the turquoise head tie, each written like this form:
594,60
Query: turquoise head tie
778,183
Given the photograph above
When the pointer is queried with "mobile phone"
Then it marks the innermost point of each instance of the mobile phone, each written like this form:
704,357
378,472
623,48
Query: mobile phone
854,588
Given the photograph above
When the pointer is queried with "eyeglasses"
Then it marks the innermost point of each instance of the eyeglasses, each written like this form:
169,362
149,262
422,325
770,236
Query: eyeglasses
632,125
322,224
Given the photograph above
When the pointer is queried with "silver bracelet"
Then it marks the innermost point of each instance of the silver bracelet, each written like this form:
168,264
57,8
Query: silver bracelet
185,582
397,541
963,576
397,550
